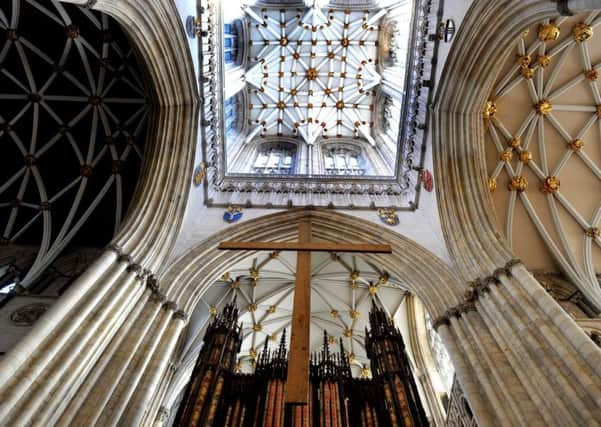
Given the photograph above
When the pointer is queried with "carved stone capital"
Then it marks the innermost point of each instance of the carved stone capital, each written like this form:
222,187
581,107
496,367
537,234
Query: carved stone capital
152,283
143,274
442,320
158,297
453,312
466,307
498,272
510,264
125,258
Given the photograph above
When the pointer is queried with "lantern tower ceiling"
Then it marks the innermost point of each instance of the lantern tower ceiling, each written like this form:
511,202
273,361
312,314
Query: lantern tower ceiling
315,74
315,106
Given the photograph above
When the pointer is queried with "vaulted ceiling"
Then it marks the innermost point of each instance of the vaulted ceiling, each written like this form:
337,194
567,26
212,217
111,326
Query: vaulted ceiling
313,73
543,146
343,288
73,118
333,86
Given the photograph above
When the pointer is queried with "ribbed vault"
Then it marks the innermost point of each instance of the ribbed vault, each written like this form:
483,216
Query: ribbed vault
343,288
190,277
72,124
543,148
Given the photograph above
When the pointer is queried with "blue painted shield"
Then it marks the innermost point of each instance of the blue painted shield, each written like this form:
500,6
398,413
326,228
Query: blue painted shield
232,214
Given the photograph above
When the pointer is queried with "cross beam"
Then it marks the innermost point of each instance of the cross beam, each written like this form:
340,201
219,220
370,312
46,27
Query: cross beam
306,247
297,381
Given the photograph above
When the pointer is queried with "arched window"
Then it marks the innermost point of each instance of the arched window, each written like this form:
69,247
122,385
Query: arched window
441,357
343,161
229,116
233,118
230,43
275,159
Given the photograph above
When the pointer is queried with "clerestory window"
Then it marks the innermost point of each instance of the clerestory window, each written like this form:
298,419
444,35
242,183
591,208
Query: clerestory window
275,159
230,43
229,114
343,161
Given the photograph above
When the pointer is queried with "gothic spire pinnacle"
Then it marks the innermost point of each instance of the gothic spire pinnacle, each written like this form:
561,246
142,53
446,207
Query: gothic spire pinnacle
326,346
282,347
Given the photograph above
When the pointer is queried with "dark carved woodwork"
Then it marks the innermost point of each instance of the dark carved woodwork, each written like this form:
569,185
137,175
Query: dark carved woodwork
217,396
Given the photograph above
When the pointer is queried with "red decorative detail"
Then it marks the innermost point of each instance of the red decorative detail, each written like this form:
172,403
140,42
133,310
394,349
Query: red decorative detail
428,180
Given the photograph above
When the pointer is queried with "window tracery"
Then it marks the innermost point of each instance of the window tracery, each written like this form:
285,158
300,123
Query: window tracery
441,357
344,161
231,43
277,159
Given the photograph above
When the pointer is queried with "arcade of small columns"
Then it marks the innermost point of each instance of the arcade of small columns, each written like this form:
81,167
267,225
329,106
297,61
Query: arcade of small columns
102,355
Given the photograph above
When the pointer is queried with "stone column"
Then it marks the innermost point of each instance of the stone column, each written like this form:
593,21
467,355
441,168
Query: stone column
101,381
140,403
532,363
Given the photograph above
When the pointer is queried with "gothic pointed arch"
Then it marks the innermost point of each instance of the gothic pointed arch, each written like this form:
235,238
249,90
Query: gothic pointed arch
139,248
482,257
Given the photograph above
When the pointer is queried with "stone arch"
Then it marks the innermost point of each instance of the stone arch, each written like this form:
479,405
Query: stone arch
194,272
102,355
424,273
506,303
114,286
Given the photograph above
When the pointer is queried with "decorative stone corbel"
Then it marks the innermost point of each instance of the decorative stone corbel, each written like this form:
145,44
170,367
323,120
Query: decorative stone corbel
477,288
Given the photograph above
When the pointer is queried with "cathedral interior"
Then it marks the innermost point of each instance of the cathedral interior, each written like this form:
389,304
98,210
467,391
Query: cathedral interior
300,213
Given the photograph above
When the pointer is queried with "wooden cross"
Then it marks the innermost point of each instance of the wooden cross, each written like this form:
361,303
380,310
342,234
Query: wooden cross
297,381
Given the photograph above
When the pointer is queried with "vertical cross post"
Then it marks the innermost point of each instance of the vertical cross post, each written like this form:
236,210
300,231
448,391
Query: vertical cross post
297,382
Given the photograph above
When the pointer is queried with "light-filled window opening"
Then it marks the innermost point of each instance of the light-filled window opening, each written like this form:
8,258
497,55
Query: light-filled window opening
230,43
343,161
444,366
230,118
275,159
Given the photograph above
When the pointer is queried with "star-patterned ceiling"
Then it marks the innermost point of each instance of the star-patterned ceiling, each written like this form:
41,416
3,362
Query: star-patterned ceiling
342,290
73,121
543,151
312,73
315,105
